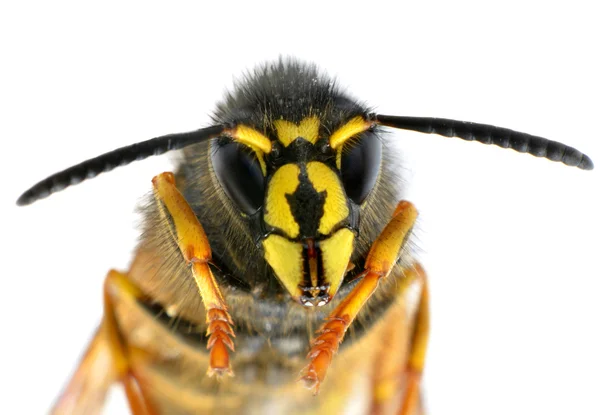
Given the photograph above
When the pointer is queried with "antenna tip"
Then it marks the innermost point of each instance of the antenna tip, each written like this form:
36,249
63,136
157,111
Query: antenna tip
586,163
32,195
24,200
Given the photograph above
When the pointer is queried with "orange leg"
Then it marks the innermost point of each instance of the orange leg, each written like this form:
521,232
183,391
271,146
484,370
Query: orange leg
418,348
383,255
138,403
105,362
194,246
86,392
397,387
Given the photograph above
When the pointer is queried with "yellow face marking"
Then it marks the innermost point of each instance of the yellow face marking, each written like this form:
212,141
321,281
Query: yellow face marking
277,209
252,138
285,257
288,131
338,157
336,253
355,126
260,156
336,208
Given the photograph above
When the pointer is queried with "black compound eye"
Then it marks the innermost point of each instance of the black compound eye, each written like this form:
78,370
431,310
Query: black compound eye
240,175
361,162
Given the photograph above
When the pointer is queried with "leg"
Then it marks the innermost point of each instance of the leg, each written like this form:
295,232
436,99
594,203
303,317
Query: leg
397,387
86,392
380,261
194,246
105,361
418,347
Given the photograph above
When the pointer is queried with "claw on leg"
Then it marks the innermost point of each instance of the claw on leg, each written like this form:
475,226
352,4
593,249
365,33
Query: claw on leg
220,333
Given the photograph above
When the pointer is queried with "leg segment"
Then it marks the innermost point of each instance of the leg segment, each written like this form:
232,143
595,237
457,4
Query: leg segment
138,403
105,361
396,386
193,243
86,392
418,347
119,288
382,257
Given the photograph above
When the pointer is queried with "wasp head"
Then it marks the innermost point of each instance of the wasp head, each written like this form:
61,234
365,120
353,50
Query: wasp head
308,159
306,194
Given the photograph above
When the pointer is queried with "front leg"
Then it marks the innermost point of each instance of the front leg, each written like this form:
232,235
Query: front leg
193,243
382,257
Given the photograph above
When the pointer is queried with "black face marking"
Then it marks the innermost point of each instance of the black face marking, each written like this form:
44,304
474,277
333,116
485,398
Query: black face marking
301,151
307,205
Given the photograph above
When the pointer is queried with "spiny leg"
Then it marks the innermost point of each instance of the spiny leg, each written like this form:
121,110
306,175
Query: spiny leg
193,243
382,256
105,361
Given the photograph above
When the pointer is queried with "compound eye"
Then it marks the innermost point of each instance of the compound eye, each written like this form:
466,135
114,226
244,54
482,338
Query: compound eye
240,175
361,162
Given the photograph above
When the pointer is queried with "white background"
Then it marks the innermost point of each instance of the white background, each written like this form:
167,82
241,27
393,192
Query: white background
510,242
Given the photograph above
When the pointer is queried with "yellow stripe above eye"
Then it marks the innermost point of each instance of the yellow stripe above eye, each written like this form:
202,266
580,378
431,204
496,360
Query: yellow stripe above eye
355,126
288,131
252,138
260,156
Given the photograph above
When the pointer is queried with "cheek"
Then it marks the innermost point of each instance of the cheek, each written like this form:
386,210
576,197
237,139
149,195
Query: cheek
336,252
285,257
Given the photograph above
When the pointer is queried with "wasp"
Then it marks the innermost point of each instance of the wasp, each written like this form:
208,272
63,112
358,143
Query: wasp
275,258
